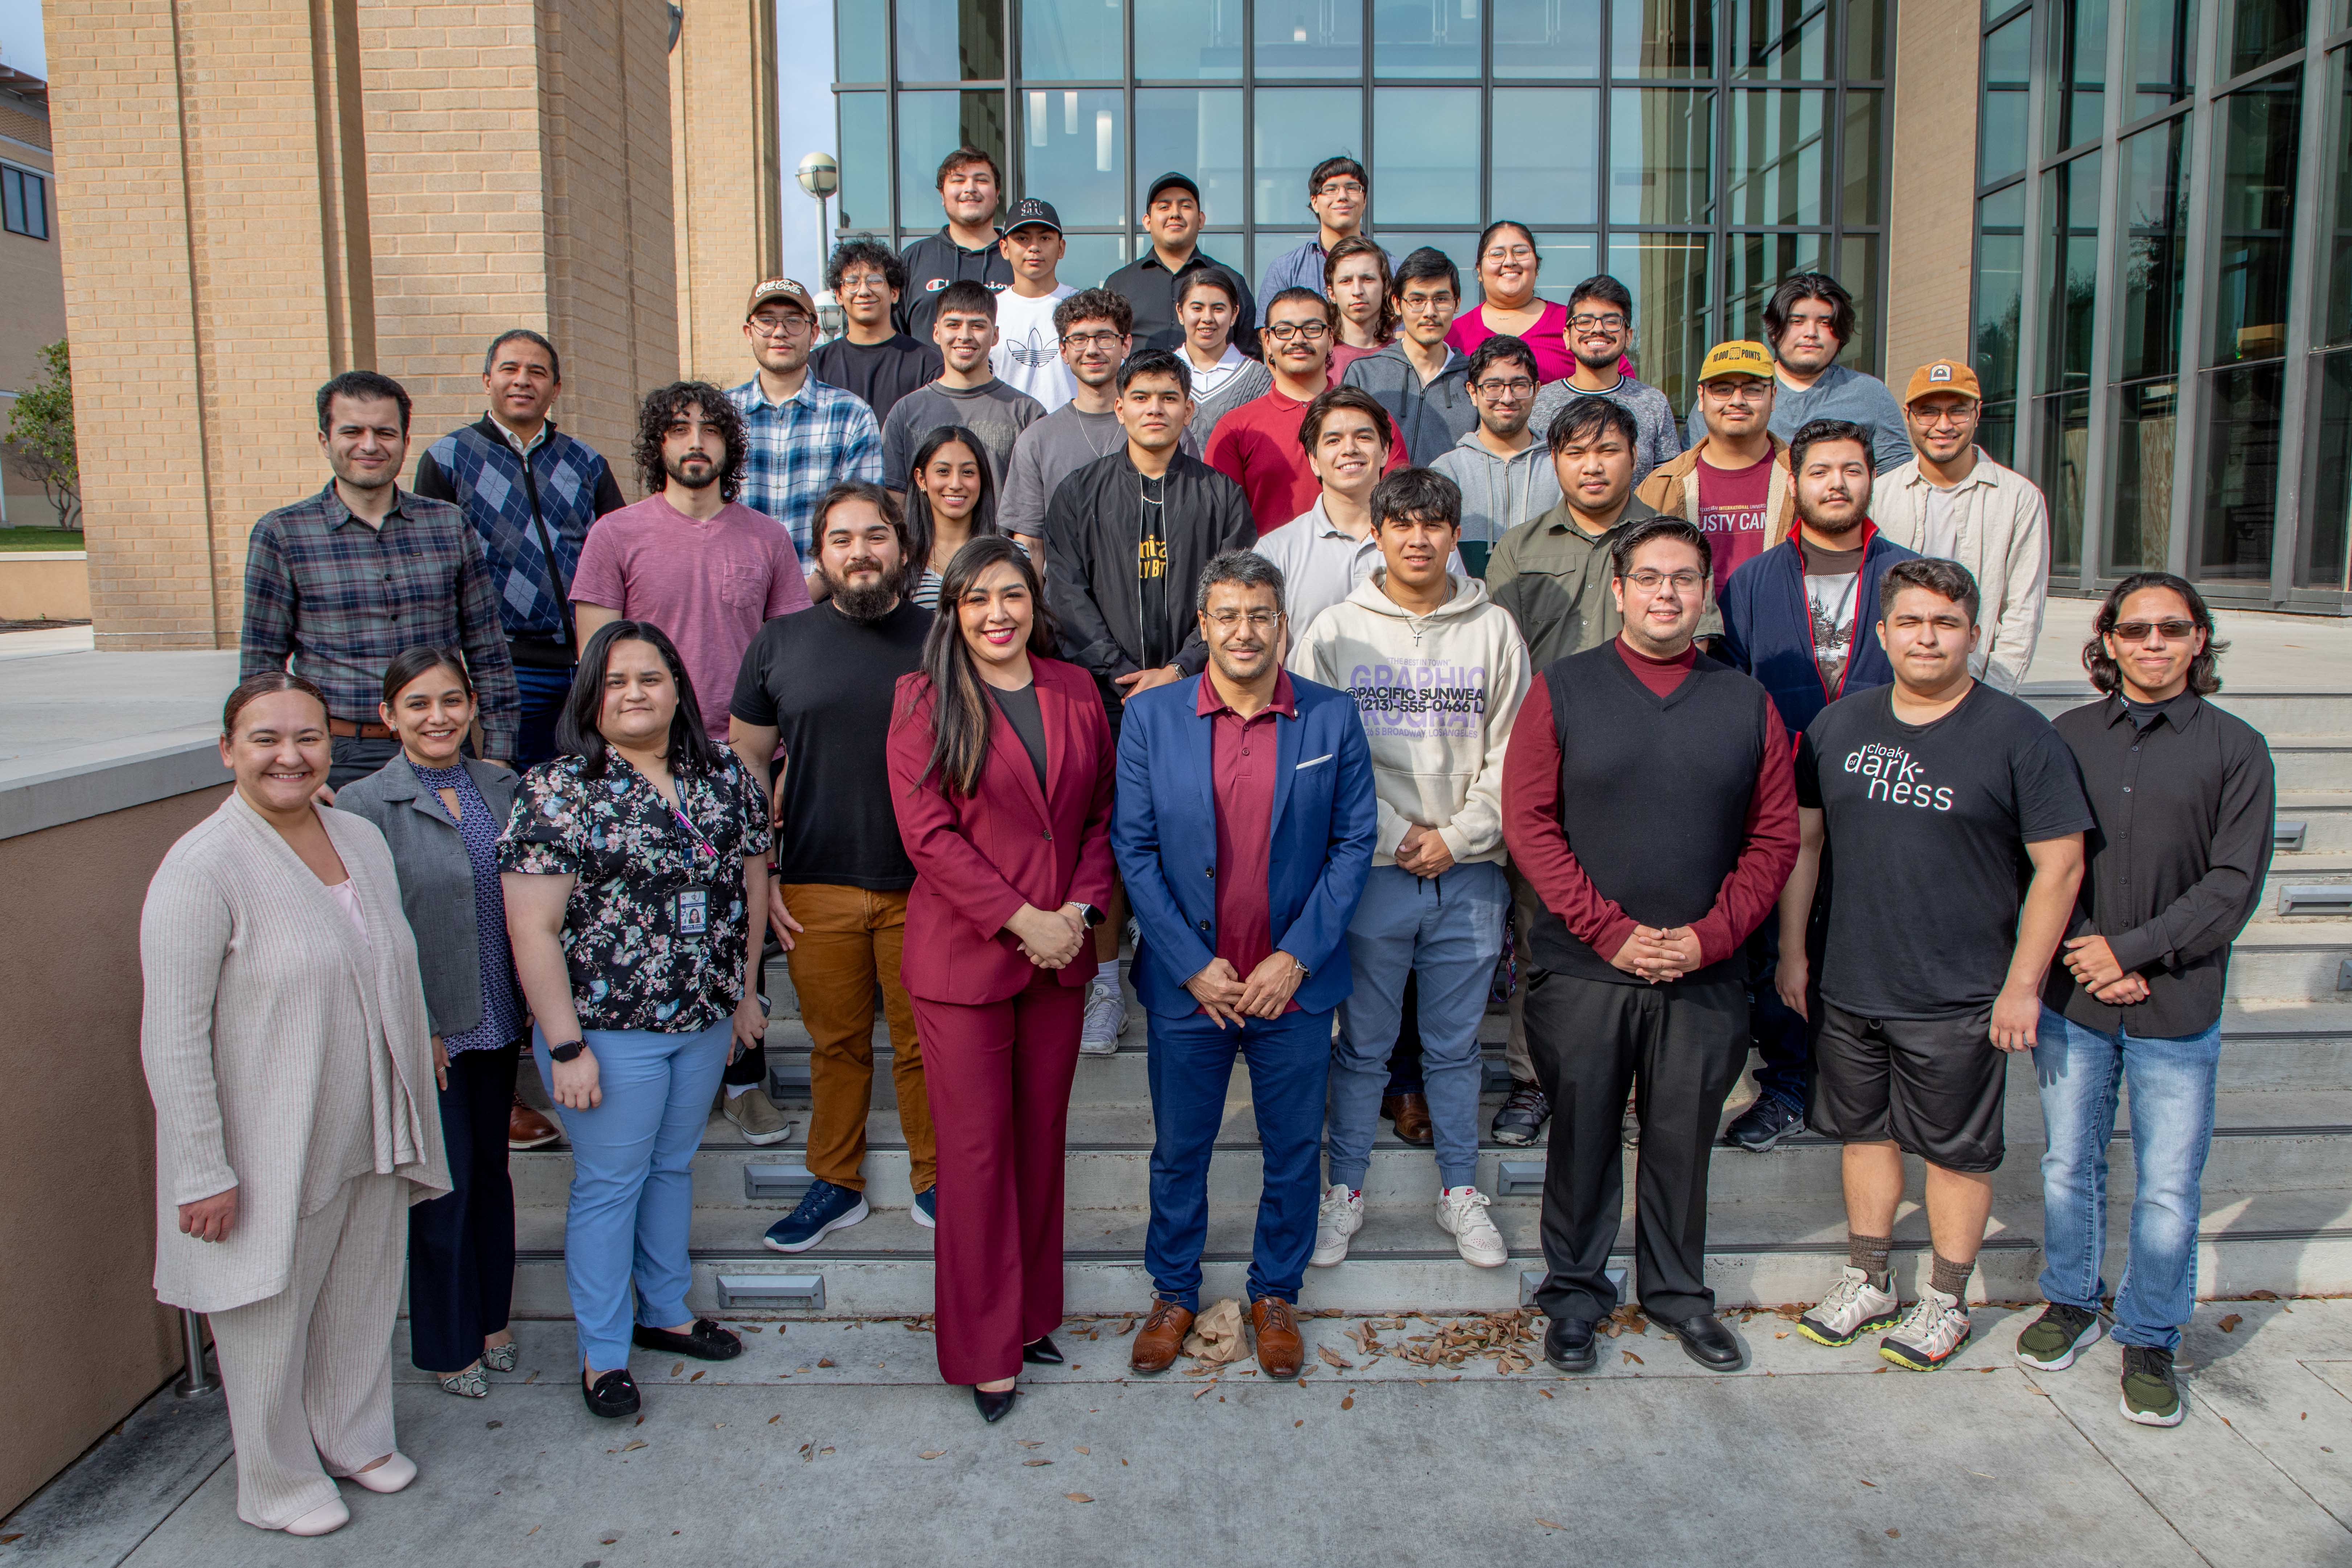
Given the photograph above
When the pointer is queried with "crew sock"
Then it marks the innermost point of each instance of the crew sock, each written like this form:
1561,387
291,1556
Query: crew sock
1869,1254
1951,1277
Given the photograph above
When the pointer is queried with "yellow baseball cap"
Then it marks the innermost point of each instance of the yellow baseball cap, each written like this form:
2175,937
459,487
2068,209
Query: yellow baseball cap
1943,375
1740,358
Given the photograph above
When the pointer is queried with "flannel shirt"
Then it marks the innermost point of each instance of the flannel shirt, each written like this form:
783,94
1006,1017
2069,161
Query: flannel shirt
339,600
801,447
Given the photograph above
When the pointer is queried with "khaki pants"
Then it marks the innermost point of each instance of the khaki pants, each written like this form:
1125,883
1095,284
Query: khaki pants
850,939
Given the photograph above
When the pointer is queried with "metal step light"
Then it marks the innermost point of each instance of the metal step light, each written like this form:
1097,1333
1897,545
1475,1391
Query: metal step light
1532,1280
1519,1178
771,1292
1498,1077
790,1181
2316,898
2343,975
788,1077
2287,836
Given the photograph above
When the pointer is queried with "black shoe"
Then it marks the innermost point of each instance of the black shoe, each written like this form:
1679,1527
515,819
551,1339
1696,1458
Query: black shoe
993,1406
1764,1125
1524,1111
1568,1345
1041,1352
613,1395
707,1341
1706,1342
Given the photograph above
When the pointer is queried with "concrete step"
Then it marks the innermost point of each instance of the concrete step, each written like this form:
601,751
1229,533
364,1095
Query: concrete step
2305,762
2324,817
2291,961
2274,713
2305,868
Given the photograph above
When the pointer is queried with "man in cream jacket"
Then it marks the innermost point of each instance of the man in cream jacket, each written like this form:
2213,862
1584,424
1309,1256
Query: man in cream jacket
1953,502
1437,670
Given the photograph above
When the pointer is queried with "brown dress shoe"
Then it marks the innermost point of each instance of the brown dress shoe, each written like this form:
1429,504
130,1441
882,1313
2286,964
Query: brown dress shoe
1276,1324
526,1129
1411,1114
1161,1338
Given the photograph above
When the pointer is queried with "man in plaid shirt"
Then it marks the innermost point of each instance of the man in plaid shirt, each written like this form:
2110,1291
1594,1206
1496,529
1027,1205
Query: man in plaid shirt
339,582
805,436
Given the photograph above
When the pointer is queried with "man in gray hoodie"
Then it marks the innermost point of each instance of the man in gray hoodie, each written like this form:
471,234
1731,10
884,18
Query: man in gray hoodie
1808,321
1505,474
1418,378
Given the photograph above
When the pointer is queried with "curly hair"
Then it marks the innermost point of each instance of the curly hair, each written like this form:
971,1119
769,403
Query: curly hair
2204,670
663,407
866,251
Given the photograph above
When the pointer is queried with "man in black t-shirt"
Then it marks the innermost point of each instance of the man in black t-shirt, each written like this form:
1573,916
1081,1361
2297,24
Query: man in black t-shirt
1956,815
813,699
871,358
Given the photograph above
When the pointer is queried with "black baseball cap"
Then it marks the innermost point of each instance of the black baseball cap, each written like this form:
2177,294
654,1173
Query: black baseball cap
1168,179
1030,210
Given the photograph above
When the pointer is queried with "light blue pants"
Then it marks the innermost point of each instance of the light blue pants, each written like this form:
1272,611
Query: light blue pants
632,1182
2171,1081
1446,931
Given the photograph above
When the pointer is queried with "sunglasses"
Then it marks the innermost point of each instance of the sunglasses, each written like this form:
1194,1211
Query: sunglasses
2137,631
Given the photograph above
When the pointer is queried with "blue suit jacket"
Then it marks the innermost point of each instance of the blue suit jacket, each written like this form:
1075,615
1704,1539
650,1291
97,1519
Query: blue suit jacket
1163,831
1767,628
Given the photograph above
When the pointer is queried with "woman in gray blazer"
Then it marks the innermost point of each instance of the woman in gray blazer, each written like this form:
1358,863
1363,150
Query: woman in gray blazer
442,812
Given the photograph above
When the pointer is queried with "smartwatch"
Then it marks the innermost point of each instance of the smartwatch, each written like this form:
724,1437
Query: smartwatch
1094,916
568,1051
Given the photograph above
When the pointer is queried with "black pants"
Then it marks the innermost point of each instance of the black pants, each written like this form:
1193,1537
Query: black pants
1683,1046
353,757
461,1244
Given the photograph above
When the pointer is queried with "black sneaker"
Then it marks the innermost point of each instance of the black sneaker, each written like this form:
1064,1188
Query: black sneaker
2151,1392
2053,1341
1764,1125
613,1395
1524,1111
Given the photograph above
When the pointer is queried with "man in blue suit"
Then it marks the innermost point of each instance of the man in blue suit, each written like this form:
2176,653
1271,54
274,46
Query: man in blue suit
1245,829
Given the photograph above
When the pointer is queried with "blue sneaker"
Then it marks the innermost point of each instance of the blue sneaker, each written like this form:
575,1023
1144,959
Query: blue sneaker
927,1209
823,1210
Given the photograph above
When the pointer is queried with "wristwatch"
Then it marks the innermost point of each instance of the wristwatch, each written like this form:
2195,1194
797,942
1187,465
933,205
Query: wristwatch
1093,917
568,1051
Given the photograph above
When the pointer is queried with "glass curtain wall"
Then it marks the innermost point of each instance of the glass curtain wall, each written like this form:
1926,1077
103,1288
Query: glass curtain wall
1701,149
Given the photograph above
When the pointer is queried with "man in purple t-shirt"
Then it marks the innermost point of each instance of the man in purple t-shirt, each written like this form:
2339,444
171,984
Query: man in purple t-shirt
689,557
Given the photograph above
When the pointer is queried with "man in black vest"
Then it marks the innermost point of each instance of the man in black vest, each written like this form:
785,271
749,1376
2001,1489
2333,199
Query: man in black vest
1648,799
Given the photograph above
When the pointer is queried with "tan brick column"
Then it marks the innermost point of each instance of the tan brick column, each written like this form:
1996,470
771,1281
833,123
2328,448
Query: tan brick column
1931,216
729,178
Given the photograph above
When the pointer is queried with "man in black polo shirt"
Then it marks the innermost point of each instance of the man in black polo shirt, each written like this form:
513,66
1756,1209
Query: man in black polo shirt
1668,773
1939,797
822,684
2185,794
1173,217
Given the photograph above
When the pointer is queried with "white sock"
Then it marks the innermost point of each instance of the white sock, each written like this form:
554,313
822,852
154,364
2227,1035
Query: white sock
1108,977
735,1089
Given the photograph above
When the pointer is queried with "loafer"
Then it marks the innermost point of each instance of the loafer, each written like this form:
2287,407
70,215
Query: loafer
1411,1114
706,1342
1042,1351
993,1407
1160,1337
1569,1344
755,1116
613,1395
1706,1342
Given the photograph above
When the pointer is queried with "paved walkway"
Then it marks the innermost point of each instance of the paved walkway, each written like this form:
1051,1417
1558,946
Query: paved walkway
832,1443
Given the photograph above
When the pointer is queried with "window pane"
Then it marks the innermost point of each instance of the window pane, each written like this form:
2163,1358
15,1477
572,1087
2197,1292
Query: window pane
1754,268
1309,38
1425,155
12,201
1662,37
2161,34
860,41
2153,253
1857,268
2065,463
1184,40
1563,261
2001,290
2076,96
1545,151
1088,259
2254,204
930,126
1073,153
1865,40
1785,40
1666,274
1997,432
2325,562
1780,159
2069,268
2000,107
2242,458
864,199
1865,201
1070,40
2262,30
2140,523
1295,130
1197,133
950,40
1548,38
1425,38
1460,247
1661,168
2337,305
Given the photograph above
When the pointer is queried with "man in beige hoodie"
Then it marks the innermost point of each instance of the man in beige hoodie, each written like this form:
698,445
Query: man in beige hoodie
1437,670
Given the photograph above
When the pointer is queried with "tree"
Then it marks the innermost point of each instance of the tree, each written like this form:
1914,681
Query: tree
41,436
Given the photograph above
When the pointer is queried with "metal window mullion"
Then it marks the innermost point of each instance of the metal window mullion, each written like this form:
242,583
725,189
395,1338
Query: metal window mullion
2302,311
1249,138
2200,166
2099,457
2033,289
1129,217
889,119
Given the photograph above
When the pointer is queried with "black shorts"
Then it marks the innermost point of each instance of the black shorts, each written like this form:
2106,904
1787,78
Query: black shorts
1933,1086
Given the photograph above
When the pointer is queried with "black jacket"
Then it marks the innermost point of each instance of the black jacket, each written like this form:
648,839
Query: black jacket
1093,531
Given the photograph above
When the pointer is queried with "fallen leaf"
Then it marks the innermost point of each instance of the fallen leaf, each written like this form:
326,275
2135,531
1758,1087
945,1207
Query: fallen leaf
1349,1403
696,1378
1872,1485
632,1443
1629,1355
1203,1389
742,1329
1894,1535
825,1450
779,1416
931,1454
1545,1392
1087,1451
606,1539
494,1425
1033,1464
1781,1335
825,1361
1029,1442
2229,1325
679,1368
1333,1358
1298,1423
1078,1497
1550,1525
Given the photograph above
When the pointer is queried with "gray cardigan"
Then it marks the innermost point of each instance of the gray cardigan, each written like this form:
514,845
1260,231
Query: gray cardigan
437,879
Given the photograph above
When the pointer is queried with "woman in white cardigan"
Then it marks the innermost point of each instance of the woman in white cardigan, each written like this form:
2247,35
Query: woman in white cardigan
290,1060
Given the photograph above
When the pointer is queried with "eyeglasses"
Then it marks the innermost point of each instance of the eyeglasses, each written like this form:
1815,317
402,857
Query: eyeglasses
864,283
1937,418
1259,620
1648,580
1611,322
1733,391
2137,631
1083,340
1510,253
1518,387
1283,332
782,326
1340,188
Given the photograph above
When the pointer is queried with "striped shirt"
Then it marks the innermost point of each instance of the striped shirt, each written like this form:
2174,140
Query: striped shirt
801,447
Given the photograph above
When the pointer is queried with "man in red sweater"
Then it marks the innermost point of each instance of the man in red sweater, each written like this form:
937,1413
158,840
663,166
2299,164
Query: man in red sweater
1669,773
1257,446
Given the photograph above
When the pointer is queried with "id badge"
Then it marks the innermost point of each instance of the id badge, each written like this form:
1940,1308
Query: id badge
693,911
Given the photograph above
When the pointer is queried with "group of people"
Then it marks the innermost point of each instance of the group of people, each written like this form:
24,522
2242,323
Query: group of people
1407,665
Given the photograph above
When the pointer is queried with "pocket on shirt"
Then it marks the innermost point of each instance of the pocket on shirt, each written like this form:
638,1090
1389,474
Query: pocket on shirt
743,583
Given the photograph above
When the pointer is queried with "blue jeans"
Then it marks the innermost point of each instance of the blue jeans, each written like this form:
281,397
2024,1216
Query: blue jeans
2171,1081
1190,1064
1446,931
543,691
632,1179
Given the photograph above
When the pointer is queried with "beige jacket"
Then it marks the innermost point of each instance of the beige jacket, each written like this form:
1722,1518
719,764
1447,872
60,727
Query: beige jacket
285,1053
1671,492
2004,542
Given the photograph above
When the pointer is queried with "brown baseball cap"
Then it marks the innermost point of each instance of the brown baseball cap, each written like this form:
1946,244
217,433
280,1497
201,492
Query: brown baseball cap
1943,375
780,288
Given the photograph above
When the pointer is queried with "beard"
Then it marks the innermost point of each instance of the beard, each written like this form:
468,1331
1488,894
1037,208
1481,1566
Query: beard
864,601
707,477
1834,526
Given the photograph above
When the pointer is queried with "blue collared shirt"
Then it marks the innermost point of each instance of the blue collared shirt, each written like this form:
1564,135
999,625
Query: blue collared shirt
802,446
1302,268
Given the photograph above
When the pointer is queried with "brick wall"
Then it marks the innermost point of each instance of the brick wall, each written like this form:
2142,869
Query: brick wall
727,172
1932,219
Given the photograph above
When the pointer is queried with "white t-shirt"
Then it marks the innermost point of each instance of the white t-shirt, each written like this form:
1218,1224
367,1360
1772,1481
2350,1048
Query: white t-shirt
1028,351
1940,535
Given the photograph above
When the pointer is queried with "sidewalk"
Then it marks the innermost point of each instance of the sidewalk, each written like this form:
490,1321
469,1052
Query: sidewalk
833,1443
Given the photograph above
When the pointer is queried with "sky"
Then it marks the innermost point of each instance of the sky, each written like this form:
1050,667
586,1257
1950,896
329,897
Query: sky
20,38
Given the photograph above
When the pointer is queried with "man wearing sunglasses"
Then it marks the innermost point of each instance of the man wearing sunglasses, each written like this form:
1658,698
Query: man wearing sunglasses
1953,502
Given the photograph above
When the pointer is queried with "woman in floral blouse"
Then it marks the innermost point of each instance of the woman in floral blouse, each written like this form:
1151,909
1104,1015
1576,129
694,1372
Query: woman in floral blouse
635,870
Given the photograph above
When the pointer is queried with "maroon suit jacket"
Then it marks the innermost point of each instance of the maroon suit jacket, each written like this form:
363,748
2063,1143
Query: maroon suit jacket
979,860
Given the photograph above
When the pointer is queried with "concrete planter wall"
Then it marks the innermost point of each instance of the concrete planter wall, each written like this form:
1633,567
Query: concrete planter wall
44,585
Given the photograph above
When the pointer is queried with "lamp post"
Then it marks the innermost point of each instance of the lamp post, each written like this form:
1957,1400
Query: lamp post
820,176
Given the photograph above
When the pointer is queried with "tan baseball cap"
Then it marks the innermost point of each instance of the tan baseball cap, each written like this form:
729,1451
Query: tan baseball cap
780,288
1943,375
1737,358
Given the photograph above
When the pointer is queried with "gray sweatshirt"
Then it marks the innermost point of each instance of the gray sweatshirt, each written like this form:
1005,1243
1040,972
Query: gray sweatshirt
1433,415
1837,393
1653,415
1497,493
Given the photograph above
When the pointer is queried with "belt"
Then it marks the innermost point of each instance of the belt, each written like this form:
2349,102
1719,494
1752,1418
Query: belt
344,727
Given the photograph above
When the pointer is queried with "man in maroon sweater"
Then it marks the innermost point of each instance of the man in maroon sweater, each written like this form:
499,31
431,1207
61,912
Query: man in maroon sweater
1647,798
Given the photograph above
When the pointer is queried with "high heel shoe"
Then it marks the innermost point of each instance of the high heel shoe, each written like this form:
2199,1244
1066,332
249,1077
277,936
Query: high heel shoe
993,1406
1041,1352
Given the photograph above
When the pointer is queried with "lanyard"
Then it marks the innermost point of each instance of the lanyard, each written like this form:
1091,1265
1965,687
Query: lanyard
701,843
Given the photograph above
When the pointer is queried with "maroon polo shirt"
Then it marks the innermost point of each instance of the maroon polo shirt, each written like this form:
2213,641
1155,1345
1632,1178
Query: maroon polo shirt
1243,772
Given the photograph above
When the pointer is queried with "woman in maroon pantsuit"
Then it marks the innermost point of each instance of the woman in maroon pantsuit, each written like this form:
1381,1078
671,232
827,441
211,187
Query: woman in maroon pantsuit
1001,766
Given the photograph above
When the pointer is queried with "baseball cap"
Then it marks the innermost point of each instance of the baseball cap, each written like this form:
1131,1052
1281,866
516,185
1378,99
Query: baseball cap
1030,210
1167,179
780,288
1943,375
1736,358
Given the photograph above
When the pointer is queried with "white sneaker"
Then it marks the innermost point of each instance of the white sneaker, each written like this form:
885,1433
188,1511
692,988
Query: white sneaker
1340,1216
1852,1308
1105,1016
1930,1333
1462,1213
